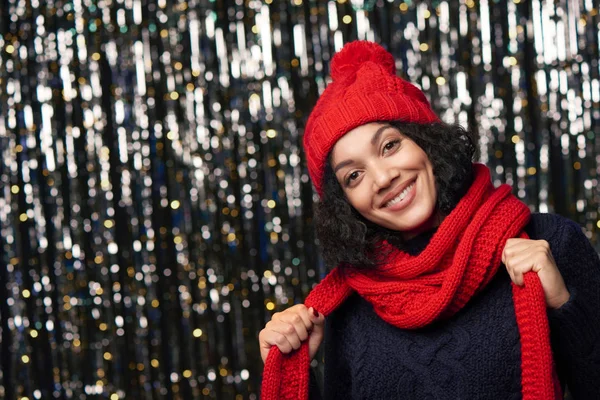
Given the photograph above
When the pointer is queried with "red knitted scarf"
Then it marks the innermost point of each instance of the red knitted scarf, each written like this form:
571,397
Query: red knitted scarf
412,291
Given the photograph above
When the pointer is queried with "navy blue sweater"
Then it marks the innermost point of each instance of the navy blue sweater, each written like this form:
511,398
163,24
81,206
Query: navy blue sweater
475,354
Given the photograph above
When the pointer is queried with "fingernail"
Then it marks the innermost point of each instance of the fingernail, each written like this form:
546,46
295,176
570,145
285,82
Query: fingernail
316,313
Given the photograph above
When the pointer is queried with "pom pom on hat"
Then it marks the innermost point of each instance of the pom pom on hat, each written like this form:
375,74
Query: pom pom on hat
353,55
365,89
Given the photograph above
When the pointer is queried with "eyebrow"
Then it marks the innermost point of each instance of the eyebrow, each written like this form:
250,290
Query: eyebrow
377,134
374,141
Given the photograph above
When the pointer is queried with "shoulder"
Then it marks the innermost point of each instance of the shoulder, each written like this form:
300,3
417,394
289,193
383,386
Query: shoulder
557,230
572,250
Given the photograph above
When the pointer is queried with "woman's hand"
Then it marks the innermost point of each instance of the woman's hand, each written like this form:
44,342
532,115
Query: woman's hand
524,255
289,328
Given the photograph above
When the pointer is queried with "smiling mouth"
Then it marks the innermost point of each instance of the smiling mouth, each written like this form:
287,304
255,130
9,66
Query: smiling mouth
400,197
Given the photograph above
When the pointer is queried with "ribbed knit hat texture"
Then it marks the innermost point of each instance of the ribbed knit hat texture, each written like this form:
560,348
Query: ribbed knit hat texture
365,89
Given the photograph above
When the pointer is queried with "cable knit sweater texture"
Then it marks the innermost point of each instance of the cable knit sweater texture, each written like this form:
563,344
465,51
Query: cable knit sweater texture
476,353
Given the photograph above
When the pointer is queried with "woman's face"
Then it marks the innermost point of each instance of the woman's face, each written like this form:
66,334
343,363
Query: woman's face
387,178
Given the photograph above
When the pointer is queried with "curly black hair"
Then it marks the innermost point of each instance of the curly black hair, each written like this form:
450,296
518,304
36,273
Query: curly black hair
349,240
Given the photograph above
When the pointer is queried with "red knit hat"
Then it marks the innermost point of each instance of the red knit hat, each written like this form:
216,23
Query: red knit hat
365,89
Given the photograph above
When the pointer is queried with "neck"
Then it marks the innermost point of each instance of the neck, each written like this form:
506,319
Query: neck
432,222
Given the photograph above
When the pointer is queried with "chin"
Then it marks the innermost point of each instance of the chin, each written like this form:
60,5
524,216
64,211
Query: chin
419,222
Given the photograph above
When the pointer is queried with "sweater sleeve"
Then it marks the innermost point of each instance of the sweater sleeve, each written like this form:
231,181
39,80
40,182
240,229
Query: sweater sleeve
575,326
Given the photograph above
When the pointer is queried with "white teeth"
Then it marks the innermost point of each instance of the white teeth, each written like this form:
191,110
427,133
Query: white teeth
400,197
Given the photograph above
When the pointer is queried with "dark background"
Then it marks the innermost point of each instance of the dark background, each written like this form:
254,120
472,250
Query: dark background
155,207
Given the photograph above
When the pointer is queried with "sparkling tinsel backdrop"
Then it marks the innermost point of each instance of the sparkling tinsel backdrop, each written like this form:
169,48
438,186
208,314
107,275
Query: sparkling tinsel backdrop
155,208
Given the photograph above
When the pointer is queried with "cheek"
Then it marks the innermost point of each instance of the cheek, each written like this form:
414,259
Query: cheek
359,200
429,168
433,189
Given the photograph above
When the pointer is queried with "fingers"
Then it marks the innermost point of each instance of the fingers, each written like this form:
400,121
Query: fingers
518,276
517,268
521,256
515,247
301,322
269,338
287,330
524,256
316,336
316,317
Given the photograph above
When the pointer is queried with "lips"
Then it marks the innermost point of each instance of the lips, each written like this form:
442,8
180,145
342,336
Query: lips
400,198
396,192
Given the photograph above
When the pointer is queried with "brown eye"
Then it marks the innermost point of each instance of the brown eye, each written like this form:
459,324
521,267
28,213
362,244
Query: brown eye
391,145
351,177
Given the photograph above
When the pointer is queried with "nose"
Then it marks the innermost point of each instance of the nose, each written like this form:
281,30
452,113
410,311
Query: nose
382,177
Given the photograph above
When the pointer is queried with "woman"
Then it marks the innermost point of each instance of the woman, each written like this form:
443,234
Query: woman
444,287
